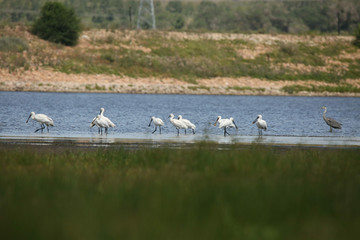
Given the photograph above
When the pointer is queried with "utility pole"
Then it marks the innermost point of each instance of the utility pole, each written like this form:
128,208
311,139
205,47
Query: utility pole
146,14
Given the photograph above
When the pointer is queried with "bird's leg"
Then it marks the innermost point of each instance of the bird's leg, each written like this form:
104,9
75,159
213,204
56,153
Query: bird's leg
106,130
47,127
160,129
185,131
178,131
155,129
38,129
330,129
193,131
225,132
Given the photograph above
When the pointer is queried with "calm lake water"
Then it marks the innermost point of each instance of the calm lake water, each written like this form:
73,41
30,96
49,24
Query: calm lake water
73,112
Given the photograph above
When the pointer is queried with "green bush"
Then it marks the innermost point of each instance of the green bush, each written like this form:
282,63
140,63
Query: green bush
57,23
357,36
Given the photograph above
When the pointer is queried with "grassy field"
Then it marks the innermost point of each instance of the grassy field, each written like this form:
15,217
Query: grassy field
198,193
164,54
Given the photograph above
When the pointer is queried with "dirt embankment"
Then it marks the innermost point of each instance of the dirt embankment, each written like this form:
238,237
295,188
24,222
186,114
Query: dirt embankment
46,79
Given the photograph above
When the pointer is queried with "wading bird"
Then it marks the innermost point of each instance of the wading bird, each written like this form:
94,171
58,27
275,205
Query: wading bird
94,122
261,124
102,122
331,122
225,123
42,119
157,122
177,123
187,123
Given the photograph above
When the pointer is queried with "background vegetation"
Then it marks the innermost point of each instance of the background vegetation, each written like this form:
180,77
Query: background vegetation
190,56
199,193
57,23
339,16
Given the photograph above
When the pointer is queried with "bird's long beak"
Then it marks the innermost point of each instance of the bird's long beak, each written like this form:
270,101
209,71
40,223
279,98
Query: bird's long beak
150,122
28,119
235,124
92,123
216,121
255,120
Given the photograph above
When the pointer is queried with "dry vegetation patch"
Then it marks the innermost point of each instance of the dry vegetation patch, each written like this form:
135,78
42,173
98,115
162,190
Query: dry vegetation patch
176,62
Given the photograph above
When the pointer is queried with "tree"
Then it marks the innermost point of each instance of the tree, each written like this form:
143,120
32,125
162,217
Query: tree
174,7
206,15
357,36
57,23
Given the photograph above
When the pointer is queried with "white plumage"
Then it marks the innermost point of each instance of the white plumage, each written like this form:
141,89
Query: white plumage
177,123
261,124
102,122
157,122
42,119
187,123
225,123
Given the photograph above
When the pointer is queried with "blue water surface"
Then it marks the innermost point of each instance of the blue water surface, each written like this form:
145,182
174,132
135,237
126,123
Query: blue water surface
73,112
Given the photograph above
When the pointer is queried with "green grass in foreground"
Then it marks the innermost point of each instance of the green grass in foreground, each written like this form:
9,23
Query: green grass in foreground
180,194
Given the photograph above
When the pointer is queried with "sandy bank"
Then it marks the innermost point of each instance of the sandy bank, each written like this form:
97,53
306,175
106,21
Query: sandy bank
47,80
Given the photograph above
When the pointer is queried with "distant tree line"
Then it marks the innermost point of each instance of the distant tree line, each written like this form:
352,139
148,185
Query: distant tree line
296,16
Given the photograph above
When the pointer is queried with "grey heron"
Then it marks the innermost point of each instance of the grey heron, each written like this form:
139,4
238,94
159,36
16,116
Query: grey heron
331,122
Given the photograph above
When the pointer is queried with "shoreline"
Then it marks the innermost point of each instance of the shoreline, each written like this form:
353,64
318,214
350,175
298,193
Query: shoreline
171,141
45,80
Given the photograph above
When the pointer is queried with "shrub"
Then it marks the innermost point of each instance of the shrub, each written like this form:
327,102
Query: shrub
13,44
57,23
357,36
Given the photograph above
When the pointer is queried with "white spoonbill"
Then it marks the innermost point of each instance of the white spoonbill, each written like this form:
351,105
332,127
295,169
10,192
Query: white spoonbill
177,123
42,119
108,121
225,123
218,120
157,122
187,123
261,124
96,121
102,122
